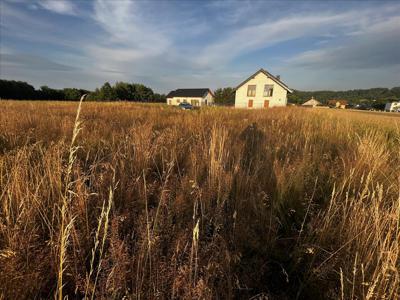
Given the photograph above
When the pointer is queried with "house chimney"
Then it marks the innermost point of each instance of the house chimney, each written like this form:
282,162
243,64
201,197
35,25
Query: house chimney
278,77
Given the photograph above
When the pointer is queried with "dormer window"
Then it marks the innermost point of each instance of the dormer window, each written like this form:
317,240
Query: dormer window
268,90
251,91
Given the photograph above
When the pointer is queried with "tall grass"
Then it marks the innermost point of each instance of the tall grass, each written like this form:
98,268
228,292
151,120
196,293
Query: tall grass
66,220
152,202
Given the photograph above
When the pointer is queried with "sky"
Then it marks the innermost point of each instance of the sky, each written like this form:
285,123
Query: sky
312,45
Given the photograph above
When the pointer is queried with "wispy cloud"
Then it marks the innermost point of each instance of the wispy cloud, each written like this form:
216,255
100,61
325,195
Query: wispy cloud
193,43
272,32
32,62
14,19
376,46
64,7
128,37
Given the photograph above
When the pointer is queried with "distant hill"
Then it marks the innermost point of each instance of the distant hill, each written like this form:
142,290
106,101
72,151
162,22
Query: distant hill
354,96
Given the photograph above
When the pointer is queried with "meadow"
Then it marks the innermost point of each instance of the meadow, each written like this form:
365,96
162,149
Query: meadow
135,201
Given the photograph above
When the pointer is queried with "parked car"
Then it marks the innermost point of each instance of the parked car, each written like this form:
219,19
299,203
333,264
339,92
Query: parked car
185,106
363,106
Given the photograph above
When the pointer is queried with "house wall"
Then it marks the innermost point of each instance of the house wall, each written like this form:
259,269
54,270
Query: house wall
178,100
393,106
209,98
279,95
201,101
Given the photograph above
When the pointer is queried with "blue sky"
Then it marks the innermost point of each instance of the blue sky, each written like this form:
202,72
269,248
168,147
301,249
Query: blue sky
166,45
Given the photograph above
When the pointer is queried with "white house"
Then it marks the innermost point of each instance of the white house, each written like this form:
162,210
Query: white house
261,90
196,97
392,106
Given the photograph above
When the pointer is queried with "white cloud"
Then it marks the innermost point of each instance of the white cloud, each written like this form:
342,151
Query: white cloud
128,38
232,12
274,31
33,62
178,46
16,20
134,45
125,25
64,7
375,46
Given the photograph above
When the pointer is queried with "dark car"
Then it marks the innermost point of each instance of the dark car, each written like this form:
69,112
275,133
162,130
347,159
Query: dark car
362,106
185,106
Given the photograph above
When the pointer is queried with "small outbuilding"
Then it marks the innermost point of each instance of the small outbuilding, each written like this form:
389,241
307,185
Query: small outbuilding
311,103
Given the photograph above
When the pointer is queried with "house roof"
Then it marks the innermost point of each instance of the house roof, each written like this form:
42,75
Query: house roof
311,102
341,101
278,81
189,93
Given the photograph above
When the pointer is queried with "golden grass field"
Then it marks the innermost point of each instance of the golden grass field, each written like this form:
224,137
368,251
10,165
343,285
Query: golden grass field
135,201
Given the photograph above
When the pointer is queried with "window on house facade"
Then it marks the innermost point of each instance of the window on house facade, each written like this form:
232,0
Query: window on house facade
268,90
251,91
178,100
184,101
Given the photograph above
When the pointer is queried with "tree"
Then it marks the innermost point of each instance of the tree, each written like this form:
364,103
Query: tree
11,89
396,92
124,91
225,96
46,93
72,94
94,96
107,93
143,93
159,98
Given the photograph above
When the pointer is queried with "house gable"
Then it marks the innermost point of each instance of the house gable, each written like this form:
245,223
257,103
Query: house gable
260,91
269,75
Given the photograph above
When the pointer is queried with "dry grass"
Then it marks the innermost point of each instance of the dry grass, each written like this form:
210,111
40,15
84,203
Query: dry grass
150,202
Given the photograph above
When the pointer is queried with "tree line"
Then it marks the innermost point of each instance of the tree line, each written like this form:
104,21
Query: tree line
19,90
354,96
126,91
121,91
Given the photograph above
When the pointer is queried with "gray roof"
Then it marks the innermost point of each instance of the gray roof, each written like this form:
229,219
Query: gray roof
189,93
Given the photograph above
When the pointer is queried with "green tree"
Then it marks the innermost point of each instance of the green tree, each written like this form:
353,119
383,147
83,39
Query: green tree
224,96
72,94
143,93
124,91
47,93
159,98
94,96
107,93
11,89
